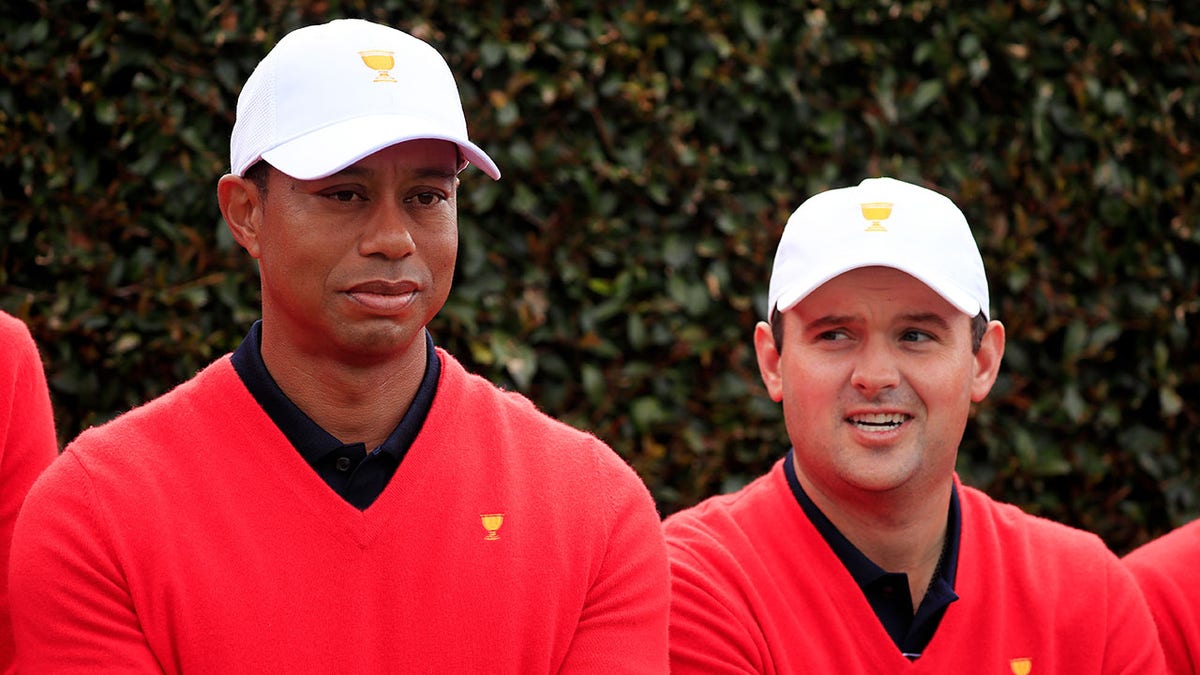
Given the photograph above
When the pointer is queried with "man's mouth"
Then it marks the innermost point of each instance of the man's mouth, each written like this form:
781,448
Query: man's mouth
878,421
384,287
384,296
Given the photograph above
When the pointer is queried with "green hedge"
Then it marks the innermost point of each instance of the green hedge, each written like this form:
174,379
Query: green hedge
651,154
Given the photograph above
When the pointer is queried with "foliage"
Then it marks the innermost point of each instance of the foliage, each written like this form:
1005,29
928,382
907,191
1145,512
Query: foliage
652,152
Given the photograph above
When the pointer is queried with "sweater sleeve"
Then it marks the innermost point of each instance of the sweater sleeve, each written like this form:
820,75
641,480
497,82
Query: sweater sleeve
72,611
1165,571
1133,646
623,625
1174,617
27,446
709,629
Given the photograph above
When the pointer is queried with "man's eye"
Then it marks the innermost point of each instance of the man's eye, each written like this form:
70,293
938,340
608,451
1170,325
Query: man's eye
916,336
343,195
426,198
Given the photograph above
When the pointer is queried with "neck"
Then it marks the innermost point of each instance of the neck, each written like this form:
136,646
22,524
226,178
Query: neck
898,531
354,403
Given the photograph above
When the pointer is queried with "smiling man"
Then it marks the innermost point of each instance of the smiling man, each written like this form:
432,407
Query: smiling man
338,495
861,551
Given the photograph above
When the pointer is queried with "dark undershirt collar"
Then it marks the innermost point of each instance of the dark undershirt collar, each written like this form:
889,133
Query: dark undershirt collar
888,592
359,476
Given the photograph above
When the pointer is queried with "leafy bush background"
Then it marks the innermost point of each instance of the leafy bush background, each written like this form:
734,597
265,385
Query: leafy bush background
652,152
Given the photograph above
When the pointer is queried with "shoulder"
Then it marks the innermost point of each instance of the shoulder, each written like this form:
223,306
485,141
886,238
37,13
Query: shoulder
722,525
186,413
24,395
468,390
126,469
1040,559
720,510
1010,526
467,404
1173,557
1178,548
524,443
13,332
17,344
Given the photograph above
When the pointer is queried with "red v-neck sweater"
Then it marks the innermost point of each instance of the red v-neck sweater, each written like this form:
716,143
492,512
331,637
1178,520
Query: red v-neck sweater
1167,571
755,589
188,536
27,445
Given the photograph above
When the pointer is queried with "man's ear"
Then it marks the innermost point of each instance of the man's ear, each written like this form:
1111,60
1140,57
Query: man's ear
987,361
242,206
768,359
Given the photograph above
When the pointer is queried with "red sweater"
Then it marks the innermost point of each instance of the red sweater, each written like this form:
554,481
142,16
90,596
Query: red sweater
755,589
189,536
1166,569
27,445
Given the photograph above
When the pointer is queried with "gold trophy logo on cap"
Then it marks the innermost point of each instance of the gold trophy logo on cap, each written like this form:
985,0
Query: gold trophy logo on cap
876,212
380,60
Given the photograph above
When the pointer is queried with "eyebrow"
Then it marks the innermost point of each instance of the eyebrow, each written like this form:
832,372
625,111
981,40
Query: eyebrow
832,320
925,318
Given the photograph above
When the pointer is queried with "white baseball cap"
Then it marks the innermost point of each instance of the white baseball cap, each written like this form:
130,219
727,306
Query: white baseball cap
329,95
884,222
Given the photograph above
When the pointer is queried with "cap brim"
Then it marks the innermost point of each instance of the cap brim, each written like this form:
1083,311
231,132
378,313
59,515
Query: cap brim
330,149
949,291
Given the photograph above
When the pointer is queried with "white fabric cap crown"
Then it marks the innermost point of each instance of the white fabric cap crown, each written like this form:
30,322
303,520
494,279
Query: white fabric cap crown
884,222
329,95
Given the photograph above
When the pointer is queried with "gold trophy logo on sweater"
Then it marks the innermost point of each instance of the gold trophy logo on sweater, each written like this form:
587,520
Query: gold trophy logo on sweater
1021,666
491,523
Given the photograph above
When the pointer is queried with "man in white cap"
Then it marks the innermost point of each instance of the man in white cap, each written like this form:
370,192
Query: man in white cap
861,551
338,495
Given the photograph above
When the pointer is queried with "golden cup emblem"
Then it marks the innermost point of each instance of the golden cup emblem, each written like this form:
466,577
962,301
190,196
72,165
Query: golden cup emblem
491,523
1021,666
380,60
876,212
